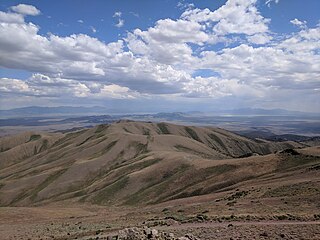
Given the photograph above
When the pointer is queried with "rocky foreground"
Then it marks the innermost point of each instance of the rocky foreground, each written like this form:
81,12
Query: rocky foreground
147,233
270,230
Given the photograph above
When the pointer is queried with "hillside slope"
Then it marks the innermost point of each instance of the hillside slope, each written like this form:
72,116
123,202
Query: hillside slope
130,163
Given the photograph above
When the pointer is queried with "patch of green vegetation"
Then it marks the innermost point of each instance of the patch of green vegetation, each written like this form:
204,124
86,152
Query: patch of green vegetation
91,141
216,139
168,179
101,128
2,149
108,192
140,148
79,193
196,192
76,133
199,176
100,140
44,146
100,131
219,186
299,189
177,217
120,155
34,137
220,169
83,142
294,161
126,130
144,164
22,195
250,146
129,167
146,131
46,182
157,187
63,142
192,134
35,150
163,128
174,171
142,156
99,135
104,151
192,151
61,146
126,167
54,157
31,173
237,195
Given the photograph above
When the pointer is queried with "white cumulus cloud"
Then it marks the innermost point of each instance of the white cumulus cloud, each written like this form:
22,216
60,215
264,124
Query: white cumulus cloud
268,2
11,18
120,22
297,22
235,17
25,9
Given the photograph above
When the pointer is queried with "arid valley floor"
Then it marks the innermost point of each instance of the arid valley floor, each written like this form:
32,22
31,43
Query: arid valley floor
184,180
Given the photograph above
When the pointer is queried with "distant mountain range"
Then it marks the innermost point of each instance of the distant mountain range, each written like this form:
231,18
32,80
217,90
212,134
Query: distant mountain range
98,110
46,111
268,112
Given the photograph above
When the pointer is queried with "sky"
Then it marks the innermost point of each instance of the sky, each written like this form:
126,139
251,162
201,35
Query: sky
161,55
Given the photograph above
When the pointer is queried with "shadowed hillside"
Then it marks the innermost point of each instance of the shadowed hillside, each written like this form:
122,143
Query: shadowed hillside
134,163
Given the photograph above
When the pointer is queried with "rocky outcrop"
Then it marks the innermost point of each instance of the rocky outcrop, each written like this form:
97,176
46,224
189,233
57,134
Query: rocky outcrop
148,233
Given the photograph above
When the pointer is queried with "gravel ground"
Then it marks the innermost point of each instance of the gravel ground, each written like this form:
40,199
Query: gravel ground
203,231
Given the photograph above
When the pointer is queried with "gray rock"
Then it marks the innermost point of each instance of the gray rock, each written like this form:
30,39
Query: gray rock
149,234
191,237
154,232
131,234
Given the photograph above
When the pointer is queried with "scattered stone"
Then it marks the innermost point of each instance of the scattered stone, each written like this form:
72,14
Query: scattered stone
154,232
191,237
148,233
131,234
264,234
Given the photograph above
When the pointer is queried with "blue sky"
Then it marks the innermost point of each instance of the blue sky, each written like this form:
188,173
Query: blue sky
161,55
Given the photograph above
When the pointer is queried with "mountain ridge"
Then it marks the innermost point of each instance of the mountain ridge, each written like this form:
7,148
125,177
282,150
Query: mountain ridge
129,163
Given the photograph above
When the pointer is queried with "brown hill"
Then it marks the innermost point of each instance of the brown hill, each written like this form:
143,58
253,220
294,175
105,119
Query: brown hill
135,163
